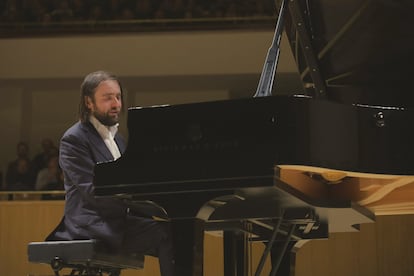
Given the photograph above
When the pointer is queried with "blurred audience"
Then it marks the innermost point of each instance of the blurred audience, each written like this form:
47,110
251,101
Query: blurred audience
1,181
40,161
19,174
49,178
41,173
47,11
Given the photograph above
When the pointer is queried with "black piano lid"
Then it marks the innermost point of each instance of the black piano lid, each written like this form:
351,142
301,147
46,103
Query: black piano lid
364,49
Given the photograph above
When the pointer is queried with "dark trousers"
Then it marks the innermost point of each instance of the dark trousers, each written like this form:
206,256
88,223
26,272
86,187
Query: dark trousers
150,237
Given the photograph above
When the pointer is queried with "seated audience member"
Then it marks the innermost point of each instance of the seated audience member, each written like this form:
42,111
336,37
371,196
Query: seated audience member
1,181
19,175
40,160
57,185
49,177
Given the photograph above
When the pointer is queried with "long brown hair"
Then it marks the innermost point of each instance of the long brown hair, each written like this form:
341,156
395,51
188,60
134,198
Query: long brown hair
88,88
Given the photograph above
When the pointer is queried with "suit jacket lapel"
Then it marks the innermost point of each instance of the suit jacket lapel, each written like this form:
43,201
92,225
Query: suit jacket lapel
120,142
98,145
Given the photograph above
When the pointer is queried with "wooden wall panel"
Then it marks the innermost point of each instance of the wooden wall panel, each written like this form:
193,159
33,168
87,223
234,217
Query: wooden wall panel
22,222
395,244
383,248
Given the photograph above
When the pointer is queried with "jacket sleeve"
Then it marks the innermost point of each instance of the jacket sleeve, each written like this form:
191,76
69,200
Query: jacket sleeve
77,162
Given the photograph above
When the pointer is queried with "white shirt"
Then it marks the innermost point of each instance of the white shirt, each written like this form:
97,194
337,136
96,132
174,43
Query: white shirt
107,134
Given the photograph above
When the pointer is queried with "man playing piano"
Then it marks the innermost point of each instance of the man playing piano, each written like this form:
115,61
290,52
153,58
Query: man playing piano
94,139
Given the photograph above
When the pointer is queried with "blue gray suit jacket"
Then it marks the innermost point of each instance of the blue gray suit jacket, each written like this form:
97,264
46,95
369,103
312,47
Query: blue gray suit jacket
85,217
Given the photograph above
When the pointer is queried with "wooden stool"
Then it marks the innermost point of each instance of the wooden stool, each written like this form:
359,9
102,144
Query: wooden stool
84,257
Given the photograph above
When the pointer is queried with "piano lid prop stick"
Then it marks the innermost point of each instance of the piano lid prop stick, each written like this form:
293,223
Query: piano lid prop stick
269,69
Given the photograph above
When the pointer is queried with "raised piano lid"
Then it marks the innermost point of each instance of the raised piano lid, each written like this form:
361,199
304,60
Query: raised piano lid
363,53
363,49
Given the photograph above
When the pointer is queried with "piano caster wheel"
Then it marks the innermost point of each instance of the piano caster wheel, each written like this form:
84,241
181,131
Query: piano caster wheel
56,264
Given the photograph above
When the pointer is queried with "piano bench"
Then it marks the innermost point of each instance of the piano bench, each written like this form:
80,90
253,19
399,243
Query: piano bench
84,257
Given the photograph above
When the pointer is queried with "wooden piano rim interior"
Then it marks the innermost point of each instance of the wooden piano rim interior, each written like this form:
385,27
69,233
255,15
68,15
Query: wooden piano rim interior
381,193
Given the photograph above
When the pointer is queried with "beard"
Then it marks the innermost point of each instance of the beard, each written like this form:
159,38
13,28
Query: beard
106,119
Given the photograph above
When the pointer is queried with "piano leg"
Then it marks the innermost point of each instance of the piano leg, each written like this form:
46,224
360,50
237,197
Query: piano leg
280,254
283,264
235,254
188,236
236,259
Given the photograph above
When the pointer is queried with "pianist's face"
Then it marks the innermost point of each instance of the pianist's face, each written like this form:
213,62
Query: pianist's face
106,103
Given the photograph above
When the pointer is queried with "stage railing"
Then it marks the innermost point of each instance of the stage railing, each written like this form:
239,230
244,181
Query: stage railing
32,195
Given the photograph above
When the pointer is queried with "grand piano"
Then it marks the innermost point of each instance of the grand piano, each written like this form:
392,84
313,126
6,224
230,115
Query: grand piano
282,168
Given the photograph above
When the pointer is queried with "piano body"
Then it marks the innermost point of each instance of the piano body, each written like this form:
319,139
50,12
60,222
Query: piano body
284,168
